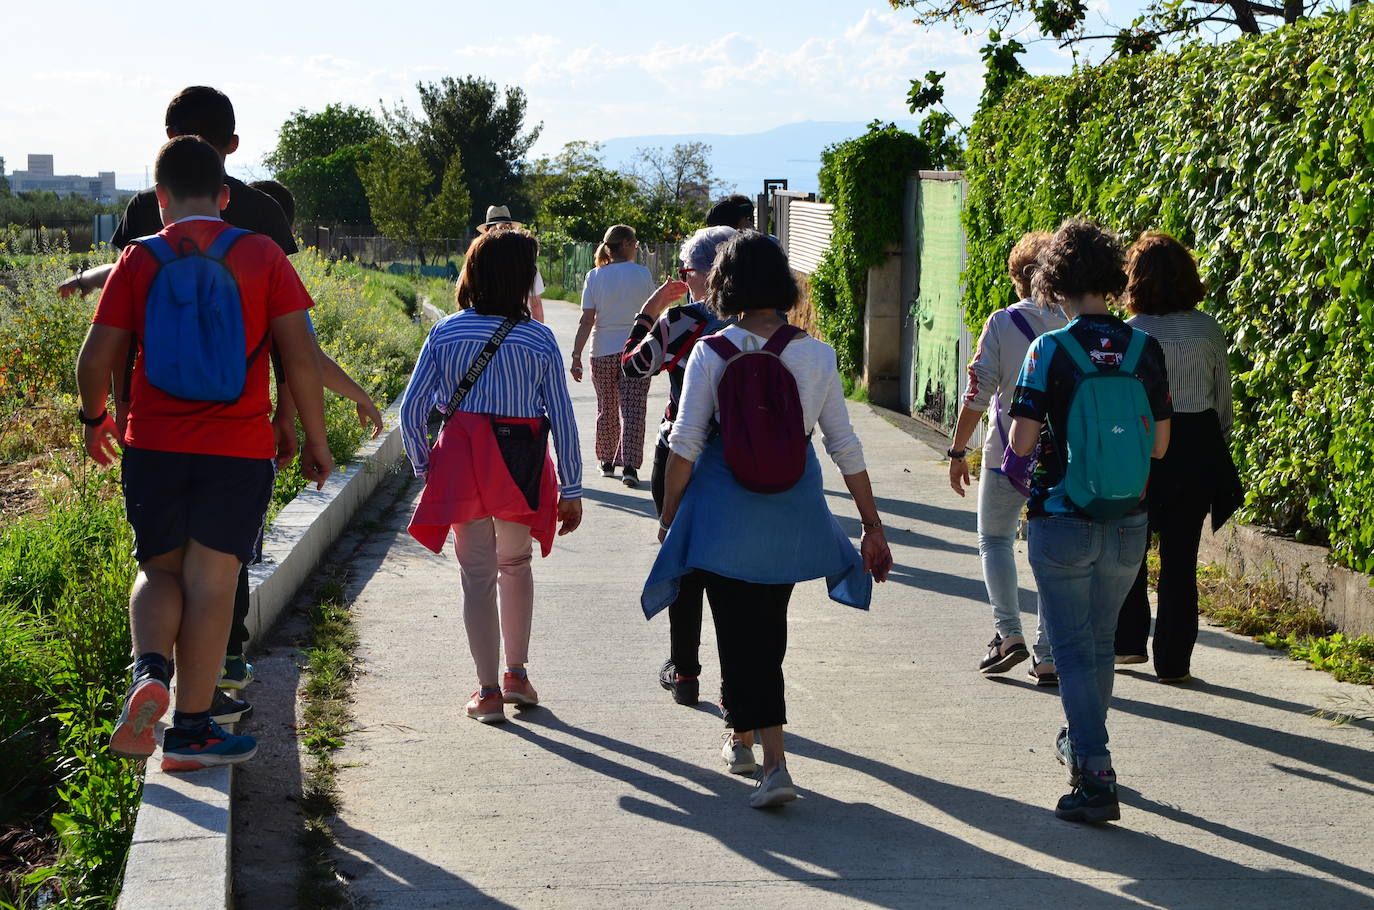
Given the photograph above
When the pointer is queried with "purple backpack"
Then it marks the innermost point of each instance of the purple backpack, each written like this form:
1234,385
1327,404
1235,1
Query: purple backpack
761,425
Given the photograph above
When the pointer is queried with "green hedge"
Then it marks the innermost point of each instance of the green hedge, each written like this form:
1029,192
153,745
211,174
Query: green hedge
865,179
1259,153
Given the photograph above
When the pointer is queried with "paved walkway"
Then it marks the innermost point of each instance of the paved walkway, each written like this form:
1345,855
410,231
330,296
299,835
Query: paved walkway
923,784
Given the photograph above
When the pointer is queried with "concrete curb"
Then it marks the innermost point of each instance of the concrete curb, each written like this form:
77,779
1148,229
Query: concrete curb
181,852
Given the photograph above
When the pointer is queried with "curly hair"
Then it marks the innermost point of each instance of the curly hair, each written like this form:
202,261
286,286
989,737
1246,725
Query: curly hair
1021,261
751,273
498,274
1161,276
1081,258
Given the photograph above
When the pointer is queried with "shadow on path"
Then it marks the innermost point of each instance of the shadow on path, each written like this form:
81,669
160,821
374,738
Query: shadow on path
413,876
826,844
1155,865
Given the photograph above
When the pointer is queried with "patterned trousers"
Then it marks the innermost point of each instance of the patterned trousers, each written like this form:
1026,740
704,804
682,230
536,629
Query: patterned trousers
620,407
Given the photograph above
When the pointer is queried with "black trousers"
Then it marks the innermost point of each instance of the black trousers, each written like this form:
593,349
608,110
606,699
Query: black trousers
1180,499
751,636
684,614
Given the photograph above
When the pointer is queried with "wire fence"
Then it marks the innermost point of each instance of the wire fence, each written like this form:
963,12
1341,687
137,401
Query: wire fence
577,259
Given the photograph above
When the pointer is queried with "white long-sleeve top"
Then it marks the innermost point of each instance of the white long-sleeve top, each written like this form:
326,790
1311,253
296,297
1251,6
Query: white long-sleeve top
812,364
1195,354
997,363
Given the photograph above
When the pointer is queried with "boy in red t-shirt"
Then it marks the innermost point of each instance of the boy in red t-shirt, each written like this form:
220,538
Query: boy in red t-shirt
197,475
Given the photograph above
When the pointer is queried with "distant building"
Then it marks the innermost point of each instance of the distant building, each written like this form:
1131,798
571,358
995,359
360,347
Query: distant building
40,177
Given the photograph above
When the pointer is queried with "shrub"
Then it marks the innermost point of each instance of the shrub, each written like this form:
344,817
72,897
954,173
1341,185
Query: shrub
865,179
1258,153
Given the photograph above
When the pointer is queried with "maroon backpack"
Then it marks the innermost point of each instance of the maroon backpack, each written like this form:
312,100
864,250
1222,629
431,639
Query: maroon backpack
761,423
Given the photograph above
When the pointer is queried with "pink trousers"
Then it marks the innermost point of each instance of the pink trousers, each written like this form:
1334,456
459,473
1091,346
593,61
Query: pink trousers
494,559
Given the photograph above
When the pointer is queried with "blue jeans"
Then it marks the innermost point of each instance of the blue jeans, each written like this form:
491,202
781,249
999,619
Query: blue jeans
999,509
1083,569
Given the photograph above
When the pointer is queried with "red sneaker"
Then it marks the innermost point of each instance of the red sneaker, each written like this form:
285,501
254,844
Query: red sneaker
486,708
518,691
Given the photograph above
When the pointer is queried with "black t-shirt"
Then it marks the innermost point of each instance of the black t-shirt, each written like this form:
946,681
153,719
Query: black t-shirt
248,208
1047,381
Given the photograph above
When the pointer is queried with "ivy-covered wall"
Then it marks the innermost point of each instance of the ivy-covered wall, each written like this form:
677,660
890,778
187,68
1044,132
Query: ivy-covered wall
1258,153
865,179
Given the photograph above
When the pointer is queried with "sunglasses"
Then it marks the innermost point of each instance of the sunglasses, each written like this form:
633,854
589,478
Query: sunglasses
684,273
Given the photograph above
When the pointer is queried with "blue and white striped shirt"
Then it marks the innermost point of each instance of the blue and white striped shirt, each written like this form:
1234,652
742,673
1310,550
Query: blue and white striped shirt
524,379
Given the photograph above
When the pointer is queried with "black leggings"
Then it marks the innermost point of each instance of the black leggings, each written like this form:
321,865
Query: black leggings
751,636
684,613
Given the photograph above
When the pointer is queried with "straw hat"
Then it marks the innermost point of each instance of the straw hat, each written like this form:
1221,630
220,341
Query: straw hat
496,214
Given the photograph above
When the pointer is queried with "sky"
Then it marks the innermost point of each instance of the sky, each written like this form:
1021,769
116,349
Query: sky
92,86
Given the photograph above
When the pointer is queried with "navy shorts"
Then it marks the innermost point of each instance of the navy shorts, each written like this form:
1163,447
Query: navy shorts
217,500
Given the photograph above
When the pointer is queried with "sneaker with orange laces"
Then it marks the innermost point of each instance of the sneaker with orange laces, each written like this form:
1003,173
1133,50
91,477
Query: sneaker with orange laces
516,690
486,706
134,734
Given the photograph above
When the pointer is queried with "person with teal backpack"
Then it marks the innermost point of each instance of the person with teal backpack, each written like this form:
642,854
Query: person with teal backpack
1091,409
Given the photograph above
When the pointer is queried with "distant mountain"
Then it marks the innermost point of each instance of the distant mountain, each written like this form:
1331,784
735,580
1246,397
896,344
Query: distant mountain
744,161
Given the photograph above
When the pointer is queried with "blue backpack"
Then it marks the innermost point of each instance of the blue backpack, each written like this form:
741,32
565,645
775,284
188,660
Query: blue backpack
193,334
1110,432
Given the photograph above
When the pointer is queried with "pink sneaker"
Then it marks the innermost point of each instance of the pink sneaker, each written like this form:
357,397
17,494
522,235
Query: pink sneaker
518,691
133,735
486,708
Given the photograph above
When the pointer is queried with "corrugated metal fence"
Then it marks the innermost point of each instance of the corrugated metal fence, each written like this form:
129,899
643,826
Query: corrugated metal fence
809,226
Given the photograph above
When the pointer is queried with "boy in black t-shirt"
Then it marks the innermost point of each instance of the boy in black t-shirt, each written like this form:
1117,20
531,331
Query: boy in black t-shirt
1083,565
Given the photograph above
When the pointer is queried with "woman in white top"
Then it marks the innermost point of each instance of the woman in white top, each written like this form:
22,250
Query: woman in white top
992,373
1196,475
752,547
612,294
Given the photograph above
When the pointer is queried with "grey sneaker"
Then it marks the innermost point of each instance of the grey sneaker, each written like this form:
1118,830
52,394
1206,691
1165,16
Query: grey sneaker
226,709
1063,753
774,789
738,757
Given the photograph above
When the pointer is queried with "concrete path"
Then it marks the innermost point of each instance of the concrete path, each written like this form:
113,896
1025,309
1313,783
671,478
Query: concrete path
923,784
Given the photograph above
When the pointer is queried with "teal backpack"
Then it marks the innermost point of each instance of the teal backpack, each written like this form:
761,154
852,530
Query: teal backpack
1110,432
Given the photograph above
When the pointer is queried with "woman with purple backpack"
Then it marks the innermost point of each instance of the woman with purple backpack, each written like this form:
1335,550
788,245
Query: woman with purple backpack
992,376
746,508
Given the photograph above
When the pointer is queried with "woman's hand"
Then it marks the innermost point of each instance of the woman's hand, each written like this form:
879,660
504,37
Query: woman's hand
576,368
958,475
368,413
663,297
876,553
569,515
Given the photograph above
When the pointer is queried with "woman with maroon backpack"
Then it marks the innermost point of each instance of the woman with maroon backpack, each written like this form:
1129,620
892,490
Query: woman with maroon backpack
745,507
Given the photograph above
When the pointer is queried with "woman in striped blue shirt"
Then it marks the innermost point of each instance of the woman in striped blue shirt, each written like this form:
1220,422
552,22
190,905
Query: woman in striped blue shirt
1197,474
489,476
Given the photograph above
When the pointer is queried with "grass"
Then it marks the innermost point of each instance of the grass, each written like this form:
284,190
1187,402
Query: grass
854,389
1265,611
329,672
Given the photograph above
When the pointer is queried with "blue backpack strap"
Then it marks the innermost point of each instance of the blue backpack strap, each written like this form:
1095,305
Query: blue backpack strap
157,245
1020,322
1134,351
1075,351
220,248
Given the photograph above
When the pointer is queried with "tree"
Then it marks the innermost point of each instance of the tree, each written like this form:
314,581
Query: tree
1158,23
546,176
681,174
471,116
591,202
319,157
398,182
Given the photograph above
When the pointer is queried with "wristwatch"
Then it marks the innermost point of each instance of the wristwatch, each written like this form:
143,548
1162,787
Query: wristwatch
950,453
92,421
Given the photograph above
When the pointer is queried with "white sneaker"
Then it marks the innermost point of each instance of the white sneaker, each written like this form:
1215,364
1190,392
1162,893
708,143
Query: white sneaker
774,789
737,756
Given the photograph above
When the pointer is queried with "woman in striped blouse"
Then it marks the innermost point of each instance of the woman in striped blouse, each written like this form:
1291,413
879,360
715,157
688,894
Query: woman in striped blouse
489,476
1197,474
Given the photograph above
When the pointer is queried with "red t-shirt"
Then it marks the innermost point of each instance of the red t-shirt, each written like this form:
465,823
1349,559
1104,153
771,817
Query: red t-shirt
268,287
